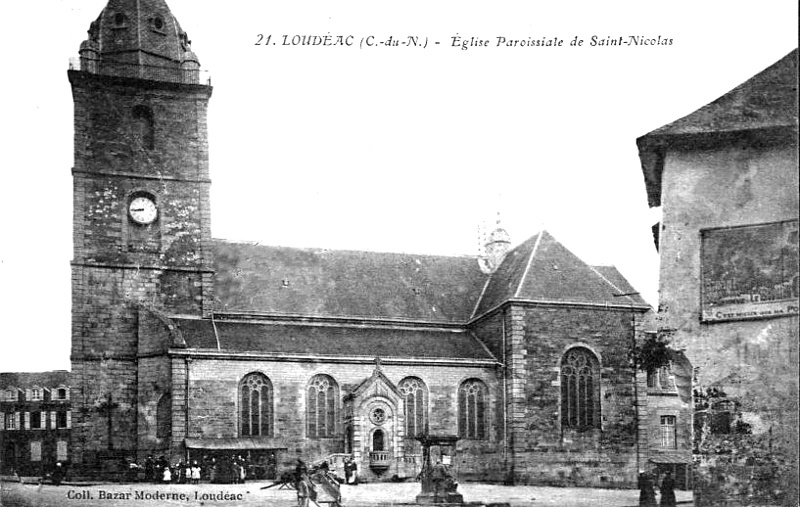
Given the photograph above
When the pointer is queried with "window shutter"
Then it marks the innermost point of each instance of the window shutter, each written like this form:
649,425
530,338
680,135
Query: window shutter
27,425
53,421
17,421
2,421
28,395
69,419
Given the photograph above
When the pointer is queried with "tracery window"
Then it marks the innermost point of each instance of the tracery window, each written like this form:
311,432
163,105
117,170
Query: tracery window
472,406
580,390
415,393
256,407
321,407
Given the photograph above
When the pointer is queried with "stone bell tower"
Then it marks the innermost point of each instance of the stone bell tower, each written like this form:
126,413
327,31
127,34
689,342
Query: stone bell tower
141,227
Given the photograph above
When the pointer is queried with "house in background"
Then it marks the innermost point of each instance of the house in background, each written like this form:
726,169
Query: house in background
35,422
726,177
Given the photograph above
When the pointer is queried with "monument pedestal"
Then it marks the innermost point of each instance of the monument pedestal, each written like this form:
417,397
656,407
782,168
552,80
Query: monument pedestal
444,499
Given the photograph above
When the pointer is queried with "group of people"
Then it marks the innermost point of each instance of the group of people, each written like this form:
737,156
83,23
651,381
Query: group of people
647,493
161,471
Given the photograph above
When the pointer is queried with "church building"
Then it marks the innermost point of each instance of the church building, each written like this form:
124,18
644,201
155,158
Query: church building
196,348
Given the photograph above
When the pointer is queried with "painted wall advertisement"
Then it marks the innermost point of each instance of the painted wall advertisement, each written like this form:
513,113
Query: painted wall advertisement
750,271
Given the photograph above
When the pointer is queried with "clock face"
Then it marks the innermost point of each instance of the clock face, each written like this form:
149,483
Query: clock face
143,210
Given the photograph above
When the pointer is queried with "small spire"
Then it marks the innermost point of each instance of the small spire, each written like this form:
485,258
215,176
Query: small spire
494,248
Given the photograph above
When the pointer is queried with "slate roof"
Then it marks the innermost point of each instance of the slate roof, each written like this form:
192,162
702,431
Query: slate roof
541,269
24,380
299,339
766,103
253,278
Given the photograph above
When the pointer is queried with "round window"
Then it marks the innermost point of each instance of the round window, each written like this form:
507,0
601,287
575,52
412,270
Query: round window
377,416
158,23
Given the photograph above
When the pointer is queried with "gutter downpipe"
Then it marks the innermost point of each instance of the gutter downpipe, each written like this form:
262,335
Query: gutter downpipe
186,362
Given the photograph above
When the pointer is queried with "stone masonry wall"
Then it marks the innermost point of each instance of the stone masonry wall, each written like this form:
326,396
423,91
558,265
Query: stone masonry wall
120,266
546,453
750,366
213,407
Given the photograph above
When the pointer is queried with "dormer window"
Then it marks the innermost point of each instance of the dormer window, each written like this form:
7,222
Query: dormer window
61,393
37,394
10,394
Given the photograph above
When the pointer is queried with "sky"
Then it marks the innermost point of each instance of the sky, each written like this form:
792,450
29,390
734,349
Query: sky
385,148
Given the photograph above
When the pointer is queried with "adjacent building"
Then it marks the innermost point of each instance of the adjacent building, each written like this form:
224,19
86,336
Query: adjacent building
35,422
200,349
726,177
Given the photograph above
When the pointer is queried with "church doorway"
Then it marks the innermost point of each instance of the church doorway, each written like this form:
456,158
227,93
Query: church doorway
348,440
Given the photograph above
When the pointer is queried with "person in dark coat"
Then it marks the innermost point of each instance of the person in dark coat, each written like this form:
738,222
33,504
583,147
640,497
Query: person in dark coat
647,493
58,474
149,469
668,490
347,470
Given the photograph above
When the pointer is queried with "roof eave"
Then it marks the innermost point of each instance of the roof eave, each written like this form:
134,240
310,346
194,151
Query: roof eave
653,147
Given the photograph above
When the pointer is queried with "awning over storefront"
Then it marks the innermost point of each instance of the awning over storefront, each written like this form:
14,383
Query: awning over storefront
232,444
671,459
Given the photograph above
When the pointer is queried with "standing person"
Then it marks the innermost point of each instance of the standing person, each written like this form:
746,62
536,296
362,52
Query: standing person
353,471
299,470
161,465
668,490
149,468
58,474
347,470
303,489
647,493
195,473
167,477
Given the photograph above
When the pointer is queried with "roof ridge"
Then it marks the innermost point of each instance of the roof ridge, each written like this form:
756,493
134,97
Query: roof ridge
612,284
530,262
463,256
480,297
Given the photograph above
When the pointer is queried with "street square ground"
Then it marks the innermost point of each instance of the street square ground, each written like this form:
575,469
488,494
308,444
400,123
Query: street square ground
251,494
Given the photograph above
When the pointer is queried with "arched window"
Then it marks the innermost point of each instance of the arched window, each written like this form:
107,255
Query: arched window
415,393
164,417
472,405
323,394
143,127
580,390
378,441
255,410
